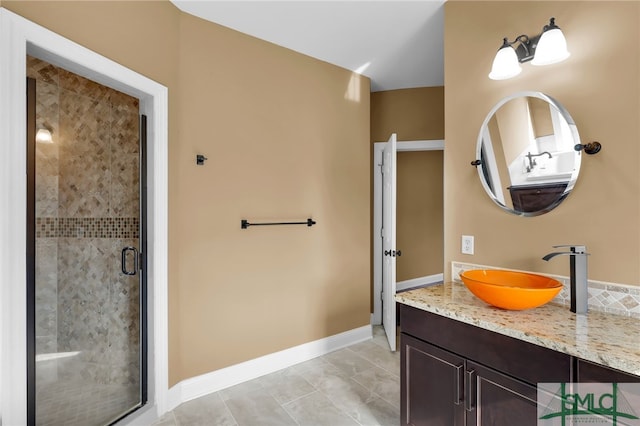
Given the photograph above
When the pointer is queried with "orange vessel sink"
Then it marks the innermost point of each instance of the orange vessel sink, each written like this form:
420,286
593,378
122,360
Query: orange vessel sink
511,290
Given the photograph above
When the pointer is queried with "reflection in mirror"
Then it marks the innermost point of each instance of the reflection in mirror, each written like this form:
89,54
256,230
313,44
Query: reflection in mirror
528,163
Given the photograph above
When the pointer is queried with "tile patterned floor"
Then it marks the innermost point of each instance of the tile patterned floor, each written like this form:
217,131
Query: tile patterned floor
358,385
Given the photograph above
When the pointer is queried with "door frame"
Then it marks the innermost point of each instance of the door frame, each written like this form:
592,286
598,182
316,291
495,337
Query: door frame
19,37
378,148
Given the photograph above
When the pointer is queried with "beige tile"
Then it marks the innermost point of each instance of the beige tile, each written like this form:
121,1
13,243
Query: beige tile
317,409
206,410
166,420
84,86
309,365
46,196
124,190
242,389
378,355
380,337
286,385
382,383
41,70
123,101
378,333
85,174
46,344
319,373
46,269
344,392
258,408
348,361
82,403
48,108
349,390
376,412
47,159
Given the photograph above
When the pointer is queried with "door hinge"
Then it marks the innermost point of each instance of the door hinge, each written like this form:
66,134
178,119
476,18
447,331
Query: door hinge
381,232
382,295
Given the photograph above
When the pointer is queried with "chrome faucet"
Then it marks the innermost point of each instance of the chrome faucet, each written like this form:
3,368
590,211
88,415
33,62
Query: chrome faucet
578,269
532,163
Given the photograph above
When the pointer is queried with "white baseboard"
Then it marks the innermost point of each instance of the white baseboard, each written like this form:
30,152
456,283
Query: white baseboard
217,380
419,282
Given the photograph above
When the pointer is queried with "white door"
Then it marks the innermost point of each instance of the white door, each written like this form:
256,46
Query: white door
389,240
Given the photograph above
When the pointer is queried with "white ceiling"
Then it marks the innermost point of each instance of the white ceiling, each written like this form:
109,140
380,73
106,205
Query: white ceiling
398,44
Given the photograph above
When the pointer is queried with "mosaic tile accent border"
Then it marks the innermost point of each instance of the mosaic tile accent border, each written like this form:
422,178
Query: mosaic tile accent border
618,299
87,227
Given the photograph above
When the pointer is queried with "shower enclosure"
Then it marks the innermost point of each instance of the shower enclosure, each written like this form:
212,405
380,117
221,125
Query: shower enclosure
86,250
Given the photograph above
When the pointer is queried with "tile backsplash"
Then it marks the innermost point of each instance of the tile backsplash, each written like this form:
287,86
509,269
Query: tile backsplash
619,299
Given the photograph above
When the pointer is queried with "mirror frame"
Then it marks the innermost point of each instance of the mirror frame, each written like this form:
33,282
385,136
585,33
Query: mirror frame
576,140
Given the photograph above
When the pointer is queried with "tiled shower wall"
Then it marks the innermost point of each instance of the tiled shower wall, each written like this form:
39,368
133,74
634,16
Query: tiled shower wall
86,212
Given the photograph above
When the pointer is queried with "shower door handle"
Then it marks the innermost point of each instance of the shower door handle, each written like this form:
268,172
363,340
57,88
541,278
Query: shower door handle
124,260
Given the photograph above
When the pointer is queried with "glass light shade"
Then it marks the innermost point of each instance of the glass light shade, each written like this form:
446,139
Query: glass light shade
505,64
44,136
551,48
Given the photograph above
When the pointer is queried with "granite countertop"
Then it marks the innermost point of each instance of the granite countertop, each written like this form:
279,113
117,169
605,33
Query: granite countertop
606,339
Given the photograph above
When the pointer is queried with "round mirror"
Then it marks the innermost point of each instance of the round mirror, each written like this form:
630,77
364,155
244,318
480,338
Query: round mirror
527,160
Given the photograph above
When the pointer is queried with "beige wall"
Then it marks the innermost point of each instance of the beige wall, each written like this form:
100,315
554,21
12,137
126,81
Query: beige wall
513,126
287,138
599,85
415,114
285,141
541,122
420,214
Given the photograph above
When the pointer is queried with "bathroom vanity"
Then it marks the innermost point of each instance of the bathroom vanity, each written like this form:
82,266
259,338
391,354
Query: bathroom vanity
467,363
533,198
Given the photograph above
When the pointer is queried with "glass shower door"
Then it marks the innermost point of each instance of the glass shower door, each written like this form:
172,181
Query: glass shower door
86,360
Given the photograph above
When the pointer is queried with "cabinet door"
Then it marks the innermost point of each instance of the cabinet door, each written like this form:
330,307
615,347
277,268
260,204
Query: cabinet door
494,399
622,399
432,385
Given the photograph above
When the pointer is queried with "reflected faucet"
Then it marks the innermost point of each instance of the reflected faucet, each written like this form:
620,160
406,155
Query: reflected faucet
532,162
578,276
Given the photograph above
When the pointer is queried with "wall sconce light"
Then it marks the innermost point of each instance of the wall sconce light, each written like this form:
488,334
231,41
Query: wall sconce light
589,148
44,136
548,47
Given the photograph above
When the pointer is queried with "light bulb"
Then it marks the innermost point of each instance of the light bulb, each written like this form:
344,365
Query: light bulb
505,64
44,136
552,48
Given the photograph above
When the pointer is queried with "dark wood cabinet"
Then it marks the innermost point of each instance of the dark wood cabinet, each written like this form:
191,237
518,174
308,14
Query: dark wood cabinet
432,385
440,388
588,372
497,399
533,198
455,374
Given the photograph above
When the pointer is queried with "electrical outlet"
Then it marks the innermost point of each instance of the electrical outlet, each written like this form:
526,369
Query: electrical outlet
467,244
